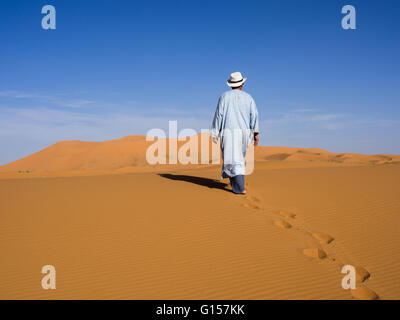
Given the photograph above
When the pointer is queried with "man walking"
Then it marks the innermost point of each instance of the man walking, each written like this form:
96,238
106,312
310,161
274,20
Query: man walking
236,122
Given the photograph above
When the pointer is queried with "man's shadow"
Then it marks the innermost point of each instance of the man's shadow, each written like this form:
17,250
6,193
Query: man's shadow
206,182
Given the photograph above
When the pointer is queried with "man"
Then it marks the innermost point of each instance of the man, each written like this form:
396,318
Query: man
236,122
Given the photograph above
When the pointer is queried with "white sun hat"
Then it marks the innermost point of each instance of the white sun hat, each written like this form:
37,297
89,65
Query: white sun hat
236,80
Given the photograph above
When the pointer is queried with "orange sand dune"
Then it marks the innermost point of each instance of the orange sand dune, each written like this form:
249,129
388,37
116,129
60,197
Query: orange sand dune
124,230
129,153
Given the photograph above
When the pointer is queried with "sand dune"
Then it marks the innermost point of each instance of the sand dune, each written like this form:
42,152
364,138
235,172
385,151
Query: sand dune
130,153
177,232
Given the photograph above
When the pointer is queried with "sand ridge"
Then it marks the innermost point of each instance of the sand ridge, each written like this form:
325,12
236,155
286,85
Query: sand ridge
128,154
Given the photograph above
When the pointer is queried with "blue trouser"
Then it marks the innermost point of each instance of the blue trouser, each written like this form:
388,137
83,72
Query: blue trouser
237,183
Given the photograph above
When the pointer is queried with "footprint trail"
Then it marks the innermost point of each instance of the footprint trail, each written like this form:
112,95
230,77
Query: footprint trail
287,219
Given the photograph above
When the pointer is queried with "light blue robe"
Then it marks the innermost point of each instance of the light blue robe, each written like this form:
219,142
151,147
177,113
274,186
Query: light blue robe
235,121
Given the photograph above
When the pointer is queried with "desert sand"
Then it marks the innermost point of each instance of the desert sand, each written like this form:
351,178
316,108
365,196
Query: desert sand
115,227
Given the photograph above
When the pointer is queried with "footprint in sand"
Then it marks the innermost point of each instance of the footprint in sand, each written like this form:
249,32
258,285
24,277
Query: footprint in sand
251,206
361,274
287,214
252,202
323,237
314,253
282,224
253,199
364,293
361,293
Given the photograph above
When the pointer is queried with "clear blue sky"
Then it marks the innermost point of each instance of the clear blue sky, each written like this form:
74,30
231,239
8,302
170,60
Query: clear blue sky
115,68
